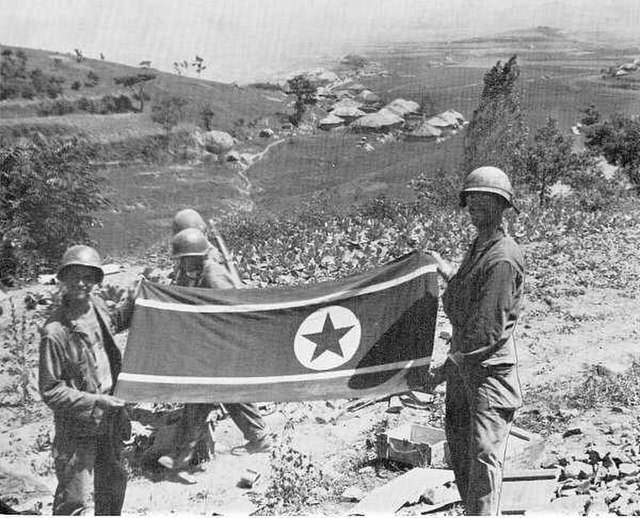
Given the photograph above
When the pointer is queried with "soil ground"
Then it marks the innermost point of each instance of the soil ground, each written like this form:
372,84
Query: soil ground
605,331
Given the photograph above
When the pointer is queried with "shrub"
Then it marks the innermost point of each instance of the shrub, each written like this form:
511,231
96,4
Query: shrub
92,79
295,482
168,111
437,191
49,194
57,107
76,85
20,346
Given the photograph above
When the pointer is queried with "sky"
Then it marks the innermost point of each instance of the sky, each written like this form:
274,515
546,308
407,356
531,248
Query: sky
244,40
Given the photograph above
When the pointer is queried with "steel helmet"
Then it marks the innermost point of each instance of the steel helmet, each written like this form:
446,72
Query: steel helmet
189,242
81,255
188,218
488,179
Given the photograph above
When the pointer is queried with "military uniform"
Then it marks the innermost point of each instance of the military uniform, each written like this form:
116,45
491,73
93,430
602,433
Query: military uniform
483,301
79,360
192,427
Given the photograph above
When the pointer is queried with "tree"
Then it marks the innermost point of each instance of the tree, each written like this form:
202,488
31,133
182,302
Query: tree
497,134
591,115
13,71
168,111
618,140
136,84
301,87
48,197
206,114
549,159
198,64
79,55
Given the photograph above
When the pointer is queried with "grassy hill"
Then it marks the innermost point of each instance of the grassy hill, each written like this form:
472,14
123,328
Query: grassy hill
233,107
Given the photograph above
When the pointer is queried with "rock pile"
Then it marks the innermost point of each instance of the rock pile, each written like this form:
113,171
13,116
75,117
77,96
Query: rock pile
603,479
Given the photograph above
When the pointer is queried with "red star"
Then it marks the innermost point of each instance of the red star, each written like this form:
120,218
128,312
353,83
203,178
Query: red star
328,339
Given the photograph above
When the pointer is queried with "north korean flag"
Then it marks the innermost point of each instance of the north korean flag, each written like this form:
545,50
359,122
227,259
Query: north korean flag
366,334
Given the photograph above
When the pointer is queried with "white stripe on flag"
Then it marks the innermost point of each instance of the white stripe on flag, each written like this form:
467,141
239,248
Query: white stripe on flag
192,380
248,308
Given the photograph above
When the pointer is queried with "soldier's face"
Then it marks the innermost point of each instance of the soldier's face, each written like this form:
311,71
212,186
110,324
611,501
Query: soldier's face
192,266
78,282
485,209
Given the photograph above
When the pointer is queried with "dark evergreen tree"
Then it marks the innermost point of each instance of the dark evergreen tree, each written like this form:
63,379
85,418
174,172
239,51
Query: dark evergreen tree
497,134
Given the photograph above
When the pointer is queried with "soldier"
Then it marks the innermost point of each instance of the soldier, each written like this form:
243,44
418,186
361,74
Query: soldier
79,366
195,268
483,300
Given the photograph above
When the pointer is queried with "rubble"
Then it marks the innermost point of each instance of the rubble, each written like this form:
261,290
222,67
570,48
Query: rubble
578,470
352,494
627,469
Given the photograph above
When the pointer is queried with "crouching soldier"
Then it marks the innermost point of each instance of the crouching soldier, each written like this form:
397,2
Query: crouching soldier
79,365
195,268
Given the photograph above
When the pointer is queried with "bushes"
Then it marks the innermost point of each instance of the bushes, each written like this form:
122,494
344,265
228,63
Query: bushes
49,195
103,106
17,81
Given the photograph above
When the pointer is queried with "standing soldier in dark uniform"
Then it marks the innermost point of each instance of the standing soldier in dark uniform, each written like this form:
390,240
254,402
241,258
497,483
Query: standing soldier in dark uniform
196,268
79,365
483,301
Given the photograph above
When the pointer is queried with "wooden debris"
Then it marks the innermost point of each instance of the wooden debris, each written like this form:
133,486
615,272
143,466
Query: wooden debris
112,268
523,490
248,478
402,490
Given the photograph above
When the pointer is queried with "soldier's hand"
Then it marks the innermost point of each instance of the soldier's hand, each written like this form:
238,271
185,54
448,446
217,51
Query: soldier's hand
107,402
434,378
445,269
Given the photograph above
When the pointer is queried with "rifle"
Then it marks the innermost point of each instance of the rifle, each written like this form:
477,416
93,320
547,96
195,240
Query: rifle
231,266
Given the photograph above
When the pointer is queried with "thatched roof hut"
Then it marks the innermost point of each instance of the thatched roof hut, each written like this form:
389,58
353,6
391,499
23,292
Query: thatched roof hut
330,121
403,107
424,132
383,120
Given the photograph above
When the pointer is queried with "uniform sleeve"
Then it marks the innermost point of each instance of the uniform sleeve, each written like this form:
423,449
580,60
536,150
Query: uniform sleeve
217,276
494,319
54,390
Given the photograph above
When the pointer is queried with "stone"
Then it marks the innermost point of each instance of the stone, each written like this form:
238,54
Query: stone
578,470
612,473
570,505
597,506
583,488
601,473
570,483
572,431
597,452
366,470
607,461
627,469
352,494
217,141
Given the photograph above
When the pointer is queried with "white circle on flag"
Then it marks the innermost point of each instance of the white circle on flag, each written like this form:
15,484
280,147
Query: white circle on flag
327,338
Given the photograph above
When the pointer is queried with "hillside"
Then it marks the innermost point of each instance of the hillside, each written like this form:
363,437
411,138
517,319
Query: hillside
232,106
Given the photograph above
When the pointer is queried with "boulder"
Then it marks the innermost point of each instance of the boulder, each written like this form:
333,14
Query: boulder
578,470
574,505
597,506
628,469
217,141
